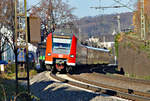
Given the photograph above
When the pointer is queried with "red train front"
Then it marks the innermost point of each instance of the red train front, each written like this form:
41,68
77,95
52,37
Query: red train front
60,51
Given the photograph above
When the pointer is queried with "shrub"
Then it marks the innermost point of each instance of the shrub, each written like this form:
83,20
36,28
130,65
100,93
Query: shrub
117,37
10,68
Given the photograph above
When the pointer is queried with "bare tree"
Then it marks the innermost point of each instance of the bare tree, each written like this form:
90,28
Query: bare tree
61,12
7,12
6,25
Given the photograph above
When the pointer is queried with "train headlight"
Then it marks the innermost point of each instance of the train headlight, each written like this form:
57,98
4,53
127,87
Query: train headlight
72,56
49,54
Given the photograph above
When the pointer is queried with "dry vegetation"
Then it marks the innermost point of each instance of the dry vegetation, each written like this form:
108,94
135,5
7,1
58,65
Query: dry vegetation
8,85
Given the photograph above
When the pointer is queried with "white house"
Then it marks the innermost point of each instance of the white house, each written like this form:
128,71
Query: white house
106,44
92,39
9,54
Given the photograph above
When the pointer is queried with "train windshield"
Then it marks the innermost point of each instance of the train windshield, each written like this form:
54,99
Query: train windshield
61,46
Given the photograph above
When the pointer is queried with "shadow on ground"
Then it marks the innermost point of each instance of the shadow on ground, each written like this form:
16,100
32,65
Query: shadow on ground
51,91
98,68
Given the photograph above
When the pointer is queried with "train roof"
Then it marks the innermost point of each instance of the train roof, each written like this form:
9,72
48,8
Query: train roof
65,30
62,34
98,49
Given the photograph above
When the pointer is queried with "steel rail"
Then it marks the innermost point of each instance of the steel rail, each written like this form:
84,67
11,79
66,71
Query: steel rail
101,90
129,91
146,82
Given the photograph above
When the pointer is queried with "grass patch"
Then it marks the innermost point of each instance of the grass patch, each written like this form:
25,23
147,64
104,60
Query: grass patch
129,44
133,35
11,69
137,77
109,74
12,76
117,38
146,77
145,48
33,72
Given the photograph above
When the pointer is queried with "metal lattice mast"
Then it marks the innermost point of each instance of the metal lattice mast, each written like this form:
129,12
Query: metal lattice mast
50,20
143,31
21,40
118,21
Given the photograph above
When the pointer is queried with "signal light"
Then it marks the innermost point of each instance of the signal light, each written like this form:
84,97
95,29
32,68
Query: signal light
49,54
72,56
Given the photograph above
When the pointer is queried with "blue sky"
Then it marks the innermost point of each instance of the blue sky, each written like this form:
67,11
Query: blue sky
83,6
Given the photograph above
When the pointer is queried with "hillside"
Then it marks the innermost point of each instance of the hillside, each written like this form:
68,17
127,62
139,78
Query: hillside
103,24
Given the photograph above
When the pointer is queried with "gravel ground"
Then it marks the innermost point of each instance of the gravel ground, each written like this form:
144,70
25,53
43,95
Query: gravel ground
47,89
122,84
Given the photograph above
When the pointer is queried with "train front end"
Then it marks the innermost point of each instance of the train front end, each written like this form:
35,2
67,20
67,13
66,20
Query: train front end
60,52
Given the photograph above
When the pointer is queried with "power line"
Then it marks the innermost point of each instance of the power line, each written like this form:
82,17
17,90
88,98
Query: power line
107,7
123,5
34,5
129,3
119,6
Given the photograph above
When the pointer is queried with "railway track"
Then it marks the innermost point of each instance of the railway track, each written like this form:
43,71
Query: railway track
127,79
103,89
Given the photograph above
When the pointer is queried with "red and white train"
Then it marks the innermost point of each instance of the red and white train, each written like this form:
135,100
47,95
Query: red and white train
60,51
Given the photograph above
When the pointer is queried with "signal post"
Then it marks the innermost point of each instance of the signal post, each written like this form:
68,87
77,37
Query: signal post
21,42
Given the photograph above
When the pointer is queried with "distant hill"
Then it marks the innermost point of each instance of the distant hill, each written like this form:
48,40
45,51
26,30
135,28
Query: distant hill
103,24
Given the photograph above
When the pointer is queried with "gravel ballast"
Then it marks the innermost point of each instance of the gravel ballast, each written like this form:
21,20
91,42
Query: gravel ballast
116,83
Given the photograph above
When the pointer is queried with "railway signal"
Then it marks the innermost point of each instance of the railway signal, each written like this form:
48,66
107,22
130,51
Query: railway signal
143,31
21,41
